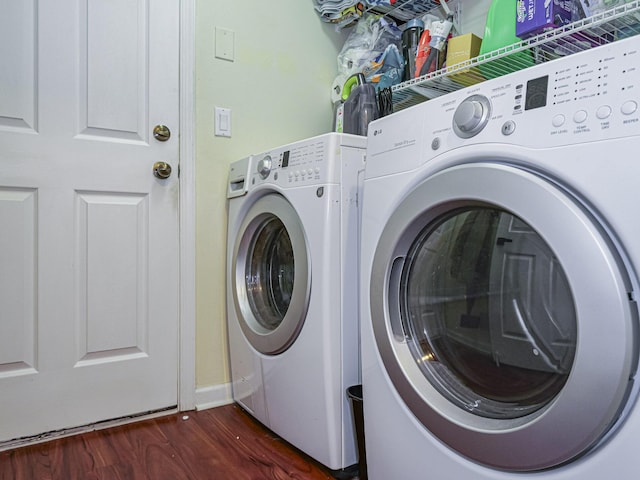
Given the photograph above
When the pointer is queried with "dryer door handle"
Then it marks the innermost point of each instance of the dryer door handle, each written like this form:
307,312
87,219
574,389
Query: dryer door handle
395,315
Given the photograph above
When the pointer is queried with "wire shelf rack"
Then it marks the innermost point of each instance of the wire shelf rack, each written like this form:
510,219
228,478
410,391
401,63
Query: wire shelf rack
404,10
611,25
401,11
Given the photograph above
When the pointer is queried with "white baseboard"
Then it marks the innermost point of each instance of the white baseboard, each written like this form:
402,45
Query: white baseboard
213,396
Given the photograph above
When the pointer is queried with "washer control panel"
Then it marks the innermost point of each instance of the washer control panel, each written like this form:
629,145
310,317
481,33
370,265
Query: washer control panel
307,162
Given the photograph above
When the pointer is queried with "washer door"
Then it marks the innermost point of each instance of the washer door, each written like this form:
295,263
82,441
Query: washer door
272,275
502,316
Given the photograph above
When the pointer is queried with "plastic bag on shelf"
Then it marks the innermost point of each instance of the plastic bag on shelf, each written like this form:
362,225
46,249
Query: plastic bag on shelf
372,48
386,70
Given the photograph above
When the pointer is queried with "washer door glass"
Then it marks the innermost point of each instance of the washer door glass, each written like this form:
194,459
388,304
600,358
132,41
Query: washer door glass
272,275
488,312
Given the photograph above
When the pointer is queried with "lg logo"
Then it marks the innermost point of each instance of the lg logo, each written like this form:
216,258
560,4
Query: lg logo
377,132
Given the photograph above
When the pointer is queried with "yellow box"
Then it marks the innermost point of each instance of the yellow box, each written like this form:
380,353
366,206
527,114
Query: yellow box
461,49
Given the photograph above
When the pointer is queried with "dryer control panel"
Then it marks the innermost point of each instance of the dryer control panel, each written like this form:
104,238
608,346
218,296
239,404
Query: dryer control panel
589,96
586,97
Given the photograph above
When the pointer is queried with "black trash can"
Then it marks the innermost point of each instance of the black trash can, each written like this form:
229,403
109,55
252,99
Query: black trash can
355,394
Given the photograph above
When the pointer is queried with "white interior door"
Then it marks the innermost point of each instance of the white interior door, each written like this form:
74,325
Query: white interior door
88,234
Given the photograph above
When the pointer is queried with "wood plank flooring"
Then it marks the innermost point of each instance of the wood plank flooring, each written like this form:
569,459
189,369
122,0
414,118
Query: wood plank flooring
222,443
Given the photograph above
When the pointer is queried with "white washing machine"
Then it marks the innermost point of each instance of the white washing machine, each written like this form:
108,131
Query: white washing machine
499,277
245,365
292,292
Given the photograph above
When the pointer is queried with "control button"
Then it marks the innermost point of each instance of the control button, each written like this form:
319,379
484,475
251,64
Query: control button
290,174
297,173
629,107
580,116
264,166
435,143
317,170
603,112
468,116
471,116
508,127
310,171
558,120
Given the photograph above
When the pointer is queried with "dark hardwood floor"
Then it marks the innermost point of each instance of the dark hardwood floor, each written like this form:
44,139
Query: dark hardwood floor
221,443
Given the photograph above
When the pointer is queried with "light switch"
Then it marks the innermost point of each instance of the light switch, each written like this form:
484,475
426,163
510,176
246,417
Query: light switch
225,44
222,122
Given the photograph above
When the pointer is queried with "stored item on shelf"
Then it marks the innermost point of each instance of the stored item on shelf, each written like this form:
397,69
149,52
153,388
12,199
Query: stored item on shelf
424,46
387,70
338,104
423,51
438,43
500,32
593,7
461,49
366,43
342,12
345,91
410,42
535,16
385,102
360,106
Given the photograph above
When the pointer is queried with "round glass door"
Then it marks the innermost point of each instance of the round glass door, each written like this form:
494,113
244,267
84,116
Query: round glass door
272,275
488,312
270,272
502,314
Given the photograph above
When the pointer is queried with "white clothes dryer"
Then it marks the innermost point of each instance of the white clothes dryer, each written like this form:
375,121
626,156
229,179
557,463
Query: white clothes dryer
292,293
499,277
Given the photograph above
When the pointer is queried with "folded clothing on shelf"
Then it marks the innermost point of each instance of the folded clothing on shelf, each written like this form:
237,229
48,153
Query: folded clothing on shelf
339,11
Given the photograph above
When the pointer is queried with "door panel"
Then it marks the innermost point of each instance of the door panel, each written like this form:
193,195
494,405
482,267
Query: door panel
113,69
112,298
19,70
89,244
17,281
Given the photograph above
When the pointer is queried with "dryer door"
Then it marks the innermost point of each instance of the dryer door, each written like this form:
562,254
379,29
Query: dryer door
272,275
502,315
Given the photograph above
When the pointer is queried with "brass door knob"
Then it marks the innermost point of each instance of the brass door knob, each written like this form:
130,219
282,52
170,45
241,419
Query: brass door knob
162,170
161,133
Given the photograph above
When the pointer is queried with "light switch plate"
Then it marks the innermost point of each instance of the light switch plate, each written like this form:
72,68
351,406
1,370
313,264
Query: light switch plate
225,44
222,122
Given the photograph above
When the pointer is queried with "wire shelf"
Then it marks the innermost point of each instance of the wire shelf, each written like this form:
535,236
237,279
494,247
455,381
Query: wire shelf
606,27
401,11
404,10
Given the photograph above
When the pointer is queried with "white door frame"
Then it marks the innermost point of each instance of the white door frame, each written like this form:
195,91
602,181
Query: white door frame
187,355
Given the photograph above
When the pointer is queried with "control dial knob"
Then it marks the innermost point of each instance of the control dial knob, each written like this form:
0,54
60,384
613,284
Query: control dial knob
471,116
264,166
